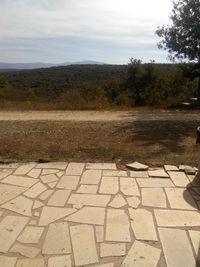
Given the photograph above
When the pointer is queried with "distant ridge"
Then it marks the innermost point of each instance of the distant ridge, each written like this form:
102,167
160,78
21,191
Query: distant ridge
38,65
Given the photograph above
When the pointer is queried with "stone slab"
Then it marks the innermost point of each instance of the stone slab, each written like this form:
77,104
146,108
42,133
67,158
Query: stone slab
137,166
154,197
158,173
118,202
50,178
7,261
34,173
171,168
52,165
133,202
179,178
99,233
117,226
139,174
10,228
101,166
27,251
176,247
57,240
59,198
30,263
87,189
60,261
19,181
31,235
8,192
21,205
119,173
155,182
91,177
129,187
49,171
24,169
89,200
75,168
4,173
46,194
35,190
109,185
68,182
142,255
112,250
82,236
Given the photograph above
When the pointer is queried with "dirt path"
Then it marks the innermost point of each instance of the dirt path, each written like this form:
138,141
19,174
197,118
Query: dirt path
96,116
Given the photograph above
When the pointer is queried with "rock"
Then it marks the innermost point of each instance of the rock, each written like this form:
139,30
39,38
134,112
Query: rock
136,166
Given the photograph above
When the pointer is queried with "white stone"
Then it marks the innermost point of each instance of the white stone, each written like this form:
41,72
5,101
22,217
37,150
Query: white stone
99,233
21,205
57,240
59,198
117,226
158,173
88,215
51,214
142,224
24,169
8,192
109,185
49,171
7,261
30,263
60,261
37,204
4,173
179,178
195,237
19,181
46,194
128,187
112,250
180,198
75,168
155,182
170,168
52,165
177,218
31,235
142,255
87,189
108,173
137,166
68,182
101,166
27,251
139,174
133,202
35,190
154,197
118,202
89,200
10,228
176,247
34,173
82,236
50,178
92,177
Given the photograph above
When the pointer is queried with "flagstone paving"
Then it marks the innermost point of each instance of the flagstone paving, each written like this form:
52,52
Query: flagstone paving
65,214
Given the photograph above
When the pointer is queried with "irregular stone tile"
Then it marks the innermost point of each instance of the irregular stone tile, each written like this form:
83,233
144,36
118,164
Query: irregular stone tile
33,222
34,173
89,200
9,166
37,204
36,214
75,168
109,185
128,187
35,190
30,263
195,237
31,235
158,173
154,197
52,185
177,218
88,215
51,214
1,213
176,247
82,236
133,202
170,168
8,192
103,265
46,194
60,174
136,166
108,173
142,254
87,189
139,174
4,173
99,233
155,182
7,261
52,165
118,202
27,251
60,261
21,205
179,178
142,224
57,240
77,206
112,250
19,181
50,178
68,182
10,228
92,177
117,226
180,198
59,198
24,169
49,171
101,166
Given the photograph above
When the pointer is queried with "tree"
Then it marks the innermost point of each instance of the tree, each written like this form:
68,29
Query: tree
182,37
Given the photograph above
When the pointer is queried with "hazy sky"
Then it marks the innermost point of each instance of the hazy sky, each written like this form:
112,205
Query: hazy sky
57,31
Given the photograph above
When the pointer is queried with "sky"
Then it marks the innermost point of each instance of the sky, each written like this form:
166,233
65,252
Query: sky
56,31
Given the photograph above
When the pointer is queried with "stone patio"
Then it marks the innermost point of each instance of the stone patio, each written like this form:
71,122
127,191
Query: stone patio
94,214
